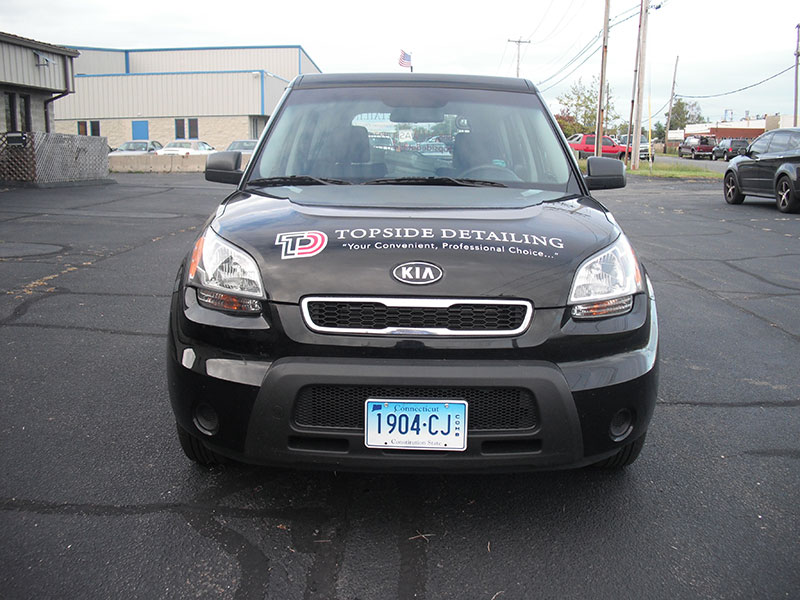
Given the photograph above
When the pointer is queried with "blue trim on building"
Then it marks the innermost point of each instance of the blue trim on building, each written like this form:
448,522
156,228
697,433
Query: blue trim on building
263,73
311,60
127,61
184,49
262,92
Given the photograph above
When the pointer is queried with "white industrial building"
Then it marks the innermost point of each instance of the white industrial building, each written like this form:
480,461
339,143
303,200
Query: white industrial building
216,95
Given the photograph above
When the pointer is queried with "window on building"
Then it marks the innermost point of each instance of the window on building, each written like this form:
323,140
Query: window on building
180,129
10,106
24,122
82,128
193,129
94,128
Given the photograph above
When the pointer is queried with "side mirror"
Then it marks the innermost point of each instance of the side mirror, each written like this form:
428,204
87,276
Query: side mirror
224,167
604,173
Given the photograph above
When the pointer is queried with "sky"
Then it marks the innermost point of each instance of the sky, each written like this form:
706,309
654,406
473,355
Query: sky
722,45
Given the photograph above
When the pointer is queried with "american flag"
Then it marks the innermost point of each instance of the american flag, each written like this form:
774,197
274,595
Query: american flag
405,59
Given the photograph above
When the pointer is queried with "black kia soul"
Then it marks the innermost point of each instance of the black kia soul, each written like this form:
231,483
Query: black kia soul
452,301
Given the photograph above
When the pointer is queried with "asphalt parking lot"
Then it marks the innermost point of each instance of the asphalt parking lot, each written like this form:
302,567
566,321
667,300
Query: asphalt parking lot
98,501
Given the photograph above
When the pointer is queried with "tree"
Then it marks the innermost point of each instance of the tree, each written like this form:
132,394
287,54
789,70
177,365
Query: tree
568,124
579,107
659,132
684,114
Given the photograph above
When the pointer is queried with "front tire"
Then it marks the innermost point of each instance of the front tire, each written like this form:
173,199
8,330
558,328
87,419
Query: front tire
624,457
195,451
731,187
786,200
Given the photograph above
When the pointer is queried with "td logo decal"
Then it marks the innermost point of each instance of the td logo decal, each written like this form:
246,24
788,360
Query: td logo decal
301,244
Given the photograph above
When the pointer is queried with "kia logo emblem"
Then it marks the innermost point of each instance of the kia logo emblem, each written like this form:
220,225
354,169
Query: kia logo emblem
417,273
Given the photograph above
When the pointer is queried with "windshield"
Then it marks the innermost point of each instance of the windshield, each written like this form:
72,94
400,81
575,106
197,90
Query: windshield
242,145
134,146
179,145
399,135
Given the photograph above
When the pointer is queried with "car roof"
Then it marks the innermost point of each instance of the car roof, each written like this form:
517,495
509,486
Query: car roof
317,80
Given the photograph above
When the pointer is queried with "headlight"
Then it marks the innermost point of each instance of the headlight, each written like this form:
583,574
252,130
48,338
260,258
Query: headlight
223,272
605,283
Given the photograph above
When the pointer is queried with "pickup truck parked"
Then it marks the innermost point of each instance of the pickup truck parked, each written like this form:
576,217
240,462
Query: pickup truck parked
583,145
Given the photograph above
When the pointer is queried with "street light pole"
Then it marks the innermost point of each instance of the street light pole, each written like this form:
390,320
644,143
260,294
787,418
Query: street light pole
671,99
598,139
519,43
796,60
637,134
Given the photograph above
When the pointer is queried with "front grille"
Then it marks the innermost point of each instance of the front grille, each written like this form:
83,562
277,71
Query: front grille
342,406
404,316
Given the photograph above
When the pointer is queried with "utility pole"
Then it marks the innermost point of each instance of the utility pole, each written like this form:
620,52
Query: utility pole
519,43
598,139
796,61
635,79
671,98
637,135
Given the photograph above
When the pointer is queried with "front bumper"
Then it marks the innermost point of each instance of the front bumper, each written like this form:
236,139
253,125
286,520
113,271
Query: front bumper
255,400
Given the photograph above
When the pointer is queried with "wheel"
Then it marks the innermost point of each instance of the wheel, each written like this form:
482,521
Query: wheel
786,199
195,451
713,156
624,457
621,156
581,155
726,156
731,187
694,156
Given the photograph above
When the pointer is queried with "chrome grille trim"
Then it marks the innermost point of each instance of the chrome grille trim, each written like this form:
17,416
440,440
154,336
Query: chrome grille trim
416,303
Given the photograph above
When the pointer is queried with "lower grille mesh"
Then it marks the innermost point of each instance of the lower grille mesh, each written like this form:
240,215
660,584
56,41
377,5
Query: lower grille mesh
342,406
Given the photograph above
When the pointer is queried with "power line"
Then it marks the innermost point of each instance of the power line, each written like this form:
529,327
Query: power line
739,90
541,21
573,70
585,49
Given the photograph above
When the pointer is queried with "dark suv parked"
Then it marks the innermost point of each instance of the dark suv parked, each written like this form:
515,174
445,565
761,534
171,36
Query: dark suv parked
351,308
769,168
697,146
729,148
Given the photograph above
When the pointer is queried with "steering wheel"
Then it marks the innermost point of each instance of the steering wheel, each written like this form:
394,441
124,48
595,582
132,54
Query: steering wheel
489,168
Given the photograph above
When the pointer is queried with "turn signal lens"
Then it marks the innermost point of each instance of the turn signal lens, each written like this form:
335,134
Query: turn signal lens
227,302
604,308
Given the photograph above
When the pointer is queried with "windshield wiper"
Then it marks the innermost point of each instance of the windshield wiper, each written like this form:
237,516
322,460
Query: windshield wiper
295,180
434,181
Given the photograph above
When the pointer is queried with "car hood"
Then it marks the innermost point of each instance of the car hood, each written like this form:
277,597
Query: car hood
334,240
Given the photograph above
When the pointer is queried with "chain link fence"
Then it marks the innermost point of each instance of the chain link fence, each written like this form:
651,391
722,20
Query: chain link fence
42,158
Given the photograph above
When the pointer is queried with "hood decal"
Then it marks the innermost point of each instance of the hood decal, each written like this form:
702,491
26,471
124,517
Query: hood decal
301,244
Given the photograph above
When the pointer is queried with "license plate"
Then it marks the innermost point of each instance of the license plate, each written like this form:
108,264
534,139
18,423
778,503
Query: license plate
416,424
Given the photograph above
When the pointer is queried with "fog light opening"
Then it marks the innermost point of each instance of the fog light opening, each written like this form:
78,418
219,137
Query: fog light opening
621,425
206,419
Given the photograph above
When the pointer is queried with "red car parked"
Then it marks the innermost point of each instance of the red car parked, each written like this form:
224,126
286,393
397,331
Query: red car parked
583,144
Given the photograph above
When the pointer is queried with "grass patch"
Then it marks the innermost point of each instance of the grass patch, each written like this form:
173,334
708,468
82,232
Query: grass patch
669,171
